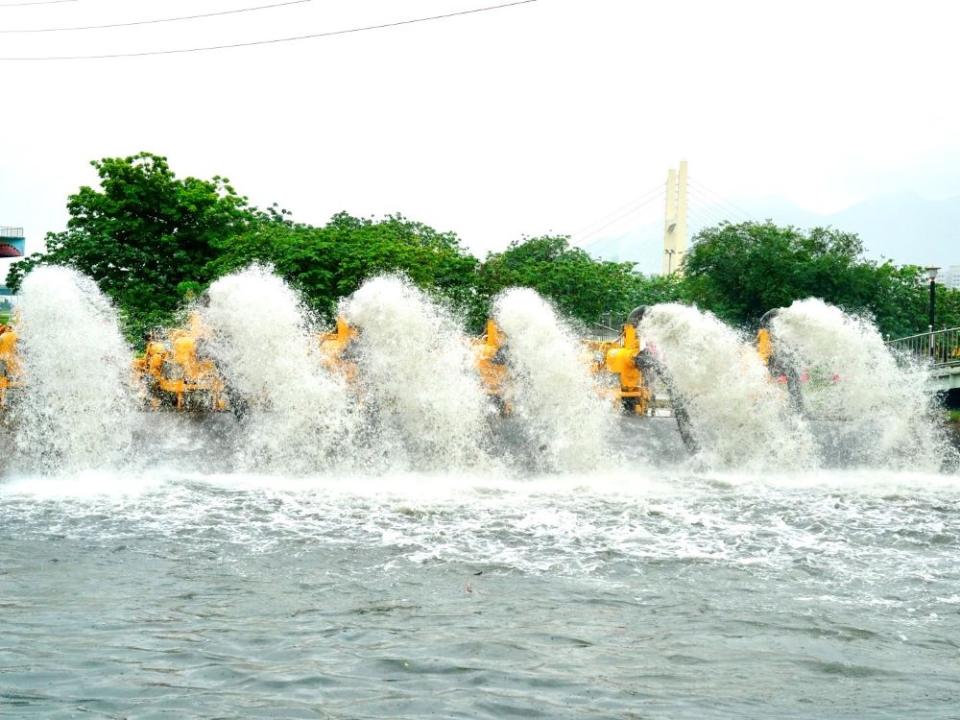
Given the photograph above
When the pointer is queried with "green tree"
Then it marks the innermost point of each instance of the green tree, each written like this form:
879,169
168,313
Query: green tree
145,236
327,263
152,240
741,271
580,286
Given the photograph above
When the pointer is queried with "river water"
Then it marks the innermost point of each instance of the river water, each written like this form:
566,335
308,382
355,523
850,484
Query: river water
646,593
392,547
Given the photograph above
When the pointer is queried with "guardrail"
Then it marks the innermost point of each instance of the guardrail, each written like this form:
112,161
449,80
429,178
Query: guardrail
942,347
11,232
602,332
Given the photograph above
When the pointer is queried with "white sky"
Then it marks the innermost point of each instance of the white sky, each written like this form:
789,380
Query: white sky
530,119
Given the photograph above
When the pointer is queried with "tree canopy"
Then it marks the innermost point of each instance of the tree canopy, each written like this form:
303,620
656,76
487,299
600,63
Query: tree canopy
145,236
329,262
580,286
741,271
152,241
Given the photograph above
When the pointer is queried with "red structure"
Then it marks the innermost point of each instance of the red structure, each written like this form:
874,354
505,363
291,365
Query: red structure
12,242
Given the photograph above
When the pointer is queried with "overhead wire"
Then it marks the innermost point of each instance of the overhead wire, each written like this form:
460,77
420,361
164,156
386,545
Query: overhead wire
35,2
641,244
710,217
647,234
272,41
618,218
705,206
720,198
704,211
722,212
74,28
626,206
697,217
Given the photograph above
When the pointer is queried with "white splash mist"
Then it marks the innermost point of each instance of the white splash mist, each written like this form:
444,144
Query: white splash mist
739,417
296,413
878,411
77,407
551,390
418,377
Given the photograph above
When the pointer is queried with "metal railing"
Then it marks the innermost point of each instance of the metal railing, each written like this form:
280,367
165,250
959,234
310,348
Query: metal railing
602,332
942,347
11,232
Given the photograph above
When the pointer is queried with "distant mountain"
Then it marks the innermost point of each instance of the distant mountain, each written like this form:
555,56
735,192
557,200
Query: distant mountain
902,227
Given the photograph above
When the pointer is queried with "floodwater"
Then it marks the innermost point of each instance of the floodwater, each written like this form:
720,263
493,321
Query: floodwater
638,594
390,547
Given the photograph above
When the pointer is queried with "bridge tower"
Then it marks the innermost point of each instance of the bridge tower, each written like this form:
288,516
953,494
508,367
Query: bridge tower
675,222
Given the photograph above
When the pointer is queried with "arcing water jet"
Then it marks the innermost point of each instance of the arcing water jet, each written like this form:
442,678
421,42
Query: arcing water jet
9,363
875,411
417,377
295,414
398,385
738,416
621,362
75,406
551,391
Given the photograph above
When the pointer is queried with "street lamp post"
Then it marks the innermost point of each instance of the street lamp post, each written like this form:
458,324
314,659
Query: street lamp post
932,277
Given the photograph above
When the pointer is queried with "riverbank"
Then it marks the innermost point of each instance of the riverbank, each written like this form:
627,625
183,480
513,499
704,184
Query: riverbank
953,427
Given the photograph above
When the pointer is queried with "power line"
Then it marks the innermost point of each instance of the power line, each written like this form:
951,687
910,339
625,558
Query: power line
630,211
628,205
707,201
707,206
620,212
641,244
155,21
273,41
708,209
35,2
620,217
719,206
721,198
694,215
702,219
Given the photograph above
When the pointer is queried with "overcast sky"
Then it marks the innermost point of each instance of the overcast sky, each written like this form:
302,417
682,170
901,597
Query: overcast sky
535,118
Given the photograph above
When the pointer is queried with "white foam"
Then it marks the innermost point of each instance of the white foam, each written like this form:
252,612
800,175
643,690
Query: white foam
882,408
76,409
739,417
551,389
418,378
297,414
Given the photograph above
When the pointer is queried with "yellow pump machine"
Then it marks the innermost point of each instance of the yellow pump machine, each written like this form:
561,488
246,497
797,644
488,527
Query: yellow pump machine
631,361
175,374
336,350
781,372
622,359
490,361
9,364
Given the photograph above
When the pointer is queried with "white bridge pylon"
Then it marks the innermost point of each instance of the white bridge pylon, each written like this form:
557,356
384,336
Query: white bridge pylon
675,220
